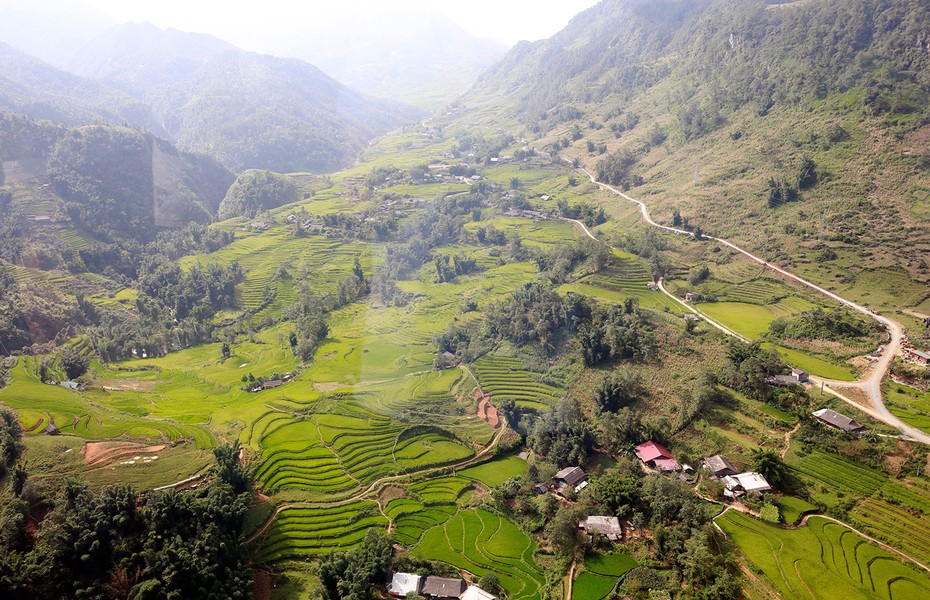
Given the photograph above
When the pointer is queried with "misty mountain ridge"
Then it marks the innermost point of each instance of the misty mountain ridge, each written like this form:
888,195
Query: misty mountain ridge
421,57
209,97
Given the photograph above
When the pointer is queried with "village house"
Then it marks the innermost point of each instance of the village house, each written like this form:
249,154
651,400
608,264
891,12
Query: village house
745,483
921,357
693,297
607,526
541,488
833,419
476,593
782,380
655,456
569,476
443,588
719,466
802,375
72,385
404,583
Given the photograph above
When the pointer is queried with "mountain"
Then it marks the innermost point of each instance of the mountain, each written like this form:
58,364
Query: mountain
421,57
33,87
794,128
50,30
111,181
248,110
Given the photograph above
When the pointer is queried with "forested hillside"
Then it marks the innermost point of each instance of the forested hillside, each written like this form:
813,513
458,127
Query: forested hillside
30,86
805,121
247,110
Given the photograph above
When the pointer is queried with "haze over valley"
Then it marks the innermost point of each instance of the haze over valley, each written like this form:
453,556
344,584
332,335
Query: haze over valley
579,300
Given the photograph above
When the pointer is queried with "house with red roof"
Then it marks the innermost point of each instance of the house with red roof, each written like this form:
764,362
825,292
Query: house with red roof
656,456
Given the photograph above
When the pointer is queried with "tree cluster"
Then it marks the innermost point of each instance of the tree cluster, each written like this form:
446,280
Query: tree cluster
119,544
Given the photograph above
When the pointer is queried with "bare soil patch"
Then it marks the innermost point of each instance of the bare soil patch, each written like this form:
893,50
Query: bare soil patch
487,412
330,386
101,453
261,584
127,385
390,492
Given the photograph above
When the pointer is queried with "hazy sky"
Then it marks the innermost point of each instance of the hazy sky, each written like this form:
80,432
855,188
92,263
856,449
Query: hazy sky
254,23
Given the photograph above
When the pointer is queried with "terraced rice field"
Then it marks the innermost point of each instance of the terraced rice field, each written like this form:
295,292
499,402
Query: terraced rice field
626,276
823,561
601,575
40,405
481,542
894,510
412,518
301,532
507,379
334,452
839,473
908,531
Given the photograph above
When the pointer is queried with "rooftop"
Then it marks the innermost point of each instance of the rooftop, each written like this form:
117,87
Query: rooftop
609,526
571,475
751,482
840,421
718,464
404,583
651,450
476,593
443,587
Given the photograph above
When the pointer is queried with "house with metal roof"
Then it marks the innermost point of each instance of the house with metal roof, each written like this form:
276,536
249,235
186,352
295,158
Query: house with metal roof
745,483
476,593
607,526
839,421
443,588
404,583
569,476
656,456
719,466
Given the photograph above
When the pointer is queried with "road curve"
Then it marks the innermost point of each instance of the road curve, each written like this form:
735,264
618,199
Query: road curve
871,385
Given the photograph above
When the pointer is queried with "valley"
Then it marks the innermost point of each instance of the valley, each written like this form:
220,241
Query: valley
633,316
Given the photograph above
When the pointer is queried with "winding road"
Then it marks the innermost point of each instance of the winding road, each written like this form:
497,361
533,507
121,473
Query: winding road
871,385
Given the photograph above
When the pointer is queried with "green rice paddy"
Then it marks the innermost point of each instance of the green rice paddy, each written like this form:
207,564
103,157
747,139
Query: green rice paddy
823,560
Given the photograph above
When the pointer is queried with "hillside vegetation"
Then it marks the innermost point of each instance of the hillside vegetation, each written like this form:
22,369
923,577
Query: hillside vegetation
798,129
247,110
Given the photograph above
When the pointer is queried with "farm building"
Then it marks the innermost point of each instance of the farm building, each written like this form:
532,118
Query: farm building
839,421
783,380
693,297
655,456
52,429
443,588
802,375
267,385
541,488
921,357
404,583
607,526
719,466
476,593
569,476
72,385
745,483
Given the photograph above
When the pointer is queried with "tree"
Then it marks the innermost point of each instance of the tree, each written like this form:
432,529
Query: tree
770,465
616,491
490,583
229,467
807,174
618,390
562,531
73,362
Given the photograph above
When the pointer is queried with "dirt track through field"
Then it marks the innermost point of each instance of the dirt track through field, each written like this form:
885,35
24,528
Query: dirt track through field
870,384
